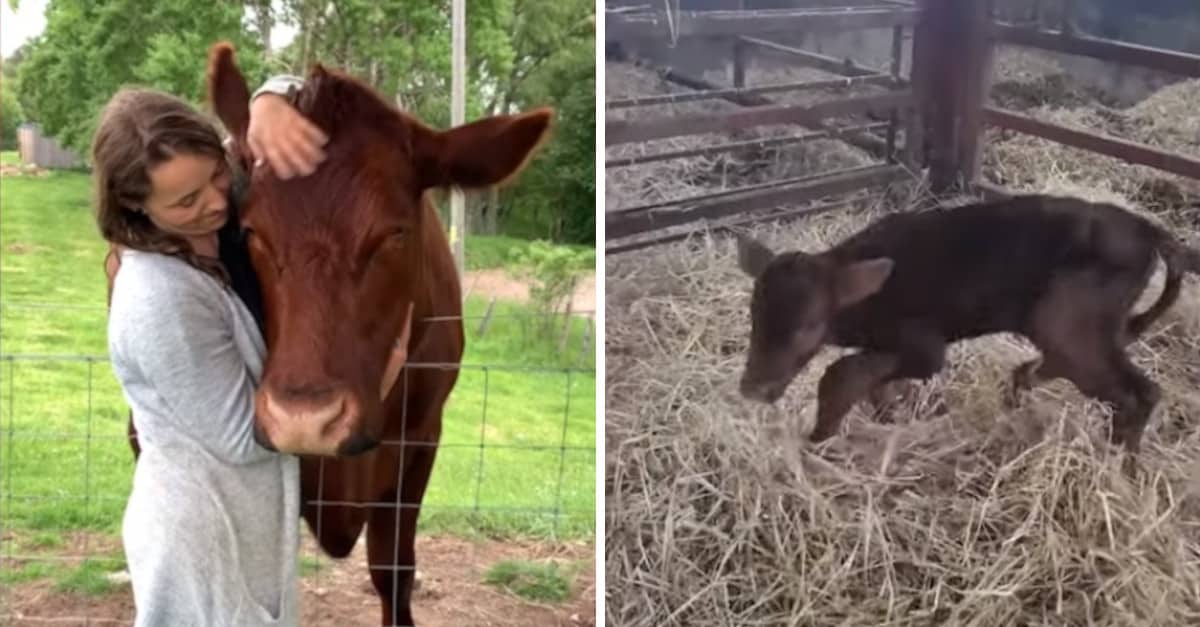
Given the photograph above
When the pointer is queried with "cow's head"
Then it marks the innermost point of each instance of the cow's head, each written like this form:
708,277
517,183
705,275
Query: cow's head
795,298
341,254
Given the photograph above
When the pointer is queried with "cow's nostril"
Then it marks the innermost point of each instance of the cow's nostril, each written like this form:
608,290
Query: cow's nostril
356,444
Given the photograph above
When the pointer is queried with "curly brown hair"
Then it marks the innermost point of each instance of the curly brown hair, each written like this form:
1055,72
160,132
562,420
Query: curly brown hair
138,130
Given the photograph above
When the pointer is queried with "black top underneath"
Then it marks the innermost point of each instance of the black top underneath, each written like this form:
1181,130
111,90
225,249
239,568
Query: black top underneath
235,256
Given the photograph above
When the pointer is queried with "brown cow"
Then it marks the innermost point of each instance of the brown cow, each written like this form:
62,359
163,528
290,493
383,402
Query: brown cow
341,255
1062,272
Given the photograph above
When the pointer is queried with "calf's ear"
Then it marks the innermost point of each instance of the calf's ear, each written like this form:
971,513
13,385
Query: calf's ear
487,152
753,256
856,281
229,96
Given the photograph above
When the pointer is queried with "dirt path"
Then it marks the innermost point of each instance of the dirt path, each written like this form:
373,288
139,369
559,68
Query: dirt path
339,594
503,286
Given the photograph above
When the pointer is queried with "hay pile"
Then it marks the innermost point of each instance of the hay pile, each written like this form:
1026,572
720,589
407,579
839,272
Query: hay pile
719,512
1166,119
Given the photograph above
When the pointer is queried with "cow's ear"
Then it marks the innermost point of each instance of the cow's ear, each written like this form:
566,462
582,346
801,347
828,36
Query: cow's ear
856,281
487,152
229,96
753,256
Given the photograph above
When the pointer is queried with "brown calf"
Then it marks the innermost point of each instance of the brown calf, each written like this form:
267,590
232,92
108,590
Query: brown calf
1062,272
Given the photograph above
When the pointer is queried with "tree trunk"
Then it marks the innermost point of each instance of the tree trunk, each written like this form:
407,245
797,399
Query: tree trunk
493,211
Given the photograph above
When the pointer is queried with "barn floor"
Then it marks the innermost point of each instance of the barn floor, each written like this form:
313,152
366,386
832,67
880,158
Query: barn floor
451,594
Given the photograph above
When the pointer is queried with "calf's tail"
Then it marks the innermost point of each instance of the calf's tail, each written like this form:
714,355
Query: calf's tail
1180,259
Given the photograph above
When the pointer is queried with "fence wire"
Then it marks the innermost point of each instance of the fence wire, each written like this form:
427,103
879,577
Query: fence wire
44,497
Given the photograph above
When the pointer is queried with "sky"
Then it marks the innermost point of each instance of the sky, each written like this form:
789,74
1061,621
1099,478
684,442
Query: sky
30,21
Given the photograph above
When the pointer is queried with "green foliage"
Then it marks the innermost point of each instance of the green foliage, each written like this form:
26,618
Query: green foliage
89,50
556,196
554,64
554,270
520,54
544,582
11,115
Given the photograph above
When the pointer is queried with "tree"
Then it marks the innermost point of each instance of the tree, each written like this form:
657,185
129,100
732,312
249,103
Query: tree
90,50
10,114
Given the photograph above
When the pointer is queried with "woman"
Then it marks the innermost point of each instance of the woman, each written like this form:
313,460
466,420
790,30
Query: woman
211,528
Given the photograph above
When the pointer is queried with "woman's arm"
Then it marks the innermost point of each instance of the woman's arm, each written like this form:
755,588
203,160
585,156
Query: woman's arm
171,334
278,134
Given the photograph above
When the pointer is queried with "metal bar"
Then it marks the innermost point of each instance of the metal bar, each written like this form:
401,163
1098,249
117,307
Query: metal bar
725,94
833,65
699,84
726,227
731,23
865,141
1125,150
630,222
767,142
731,193
1180,63
624,132
991,191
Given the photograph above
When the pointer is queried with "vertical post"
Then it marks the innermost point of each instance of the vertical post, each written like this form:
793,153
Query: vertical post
1068,18
739,55
951,75
458,105
975,81
893,121
739,63
931,124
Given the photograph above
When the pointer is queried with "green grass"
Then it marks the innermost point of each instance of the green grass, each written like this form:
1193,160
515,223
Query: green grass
9,156
64,460
545,582
37,562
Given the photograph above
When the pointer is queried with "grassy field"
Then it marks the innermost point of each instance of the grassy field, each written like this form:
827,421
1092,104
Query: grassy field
64,461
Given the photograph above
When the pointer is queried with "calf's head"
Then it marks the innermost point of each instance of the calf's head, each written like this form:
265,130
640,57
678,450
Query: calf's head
343,255
794,300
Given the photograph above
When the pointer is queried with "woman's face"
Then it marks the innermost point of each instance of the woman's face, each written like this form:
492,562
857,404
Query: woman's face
188,195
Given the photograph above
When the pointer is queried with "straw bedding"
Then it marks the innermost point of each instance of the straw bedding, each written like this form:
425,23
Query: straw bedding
720,512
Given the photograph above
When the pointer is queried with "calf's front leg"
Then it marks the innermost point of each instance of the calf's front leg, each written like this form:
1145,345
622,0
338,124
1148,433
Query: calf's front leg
849,380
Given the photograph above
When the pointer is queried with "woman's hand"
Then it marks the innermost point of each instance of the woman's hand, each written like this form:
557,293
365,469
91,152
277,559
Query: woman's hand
284,138
399,356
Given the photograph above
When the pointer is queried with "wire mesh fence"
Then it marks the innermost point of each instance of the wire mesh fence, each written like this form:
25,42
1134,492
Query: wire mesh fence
516,458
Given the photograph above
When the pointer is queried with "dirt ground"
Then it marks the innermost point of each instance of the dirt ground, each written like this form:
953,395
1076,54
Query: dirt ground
504,286
451,592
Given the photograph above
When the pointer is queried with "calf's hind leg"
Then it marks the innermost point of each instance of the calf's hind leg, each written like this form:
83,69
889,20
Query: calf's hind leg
1081,337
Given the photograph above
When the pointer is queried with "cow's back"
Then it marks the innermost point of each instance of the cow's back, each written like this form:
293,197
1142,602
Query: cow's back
980,268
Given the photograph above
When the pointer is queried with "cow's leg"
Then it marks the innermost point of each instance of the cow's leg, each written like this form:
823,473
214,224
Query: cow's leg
391,538
336,527
846,382
1080,336
886,397
1139,399
920,354
133,440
